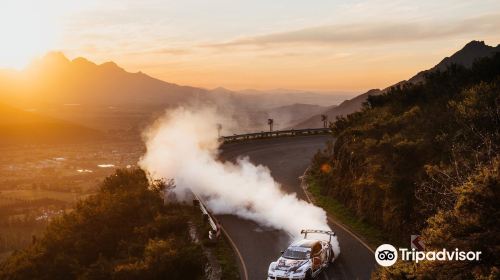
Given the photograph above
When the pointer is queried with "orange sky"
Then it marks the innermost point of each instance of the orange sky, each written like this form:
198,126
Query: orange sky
324,45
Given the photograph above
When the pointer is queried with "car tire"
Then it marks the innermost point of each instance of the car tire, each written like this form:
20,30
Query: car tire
332,256
308,275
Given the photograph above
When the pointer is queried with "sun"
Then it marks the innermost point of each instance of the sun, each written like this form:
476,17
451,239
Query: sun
27,30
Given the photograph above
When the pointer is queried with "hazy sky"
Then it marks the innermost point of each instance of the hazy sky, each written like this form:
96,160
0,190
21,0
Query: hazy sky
317,44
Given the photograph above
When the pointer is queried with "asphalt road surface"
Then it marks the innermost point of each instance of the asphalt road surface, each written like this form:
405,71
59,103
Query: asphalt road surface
287,158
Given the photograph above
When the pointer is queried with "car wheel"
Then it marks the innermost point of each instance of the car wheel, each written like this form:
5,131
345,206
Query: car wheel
308,275
332,256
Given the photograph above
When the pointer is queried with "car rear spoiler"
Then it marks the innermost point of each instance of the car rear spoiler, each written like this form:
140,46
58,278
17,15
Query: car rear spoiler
328,232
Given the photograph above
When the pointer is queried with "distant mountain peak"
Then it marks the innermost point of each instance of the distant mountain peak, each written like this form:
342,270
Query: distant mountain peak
473,49
474,44
221,90
58,60
83,63
55,56
50,60
111,66
82,60
466,56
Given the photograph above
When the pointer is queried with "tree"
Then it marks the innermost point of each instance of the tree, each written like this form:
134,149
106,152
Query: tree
471,225
124,227
396,162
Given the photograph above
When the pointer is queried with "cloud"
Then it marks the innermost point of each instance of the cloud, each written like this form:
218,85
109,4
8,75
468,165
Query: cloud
172,51
375,32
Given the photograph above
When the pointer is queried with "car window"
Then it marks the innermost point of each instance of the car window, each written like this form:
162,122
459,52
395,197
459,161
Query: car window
296,254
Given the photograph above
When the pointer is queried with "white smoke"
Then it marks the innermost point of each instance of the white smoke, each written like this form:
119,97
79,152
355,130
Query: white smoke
183,146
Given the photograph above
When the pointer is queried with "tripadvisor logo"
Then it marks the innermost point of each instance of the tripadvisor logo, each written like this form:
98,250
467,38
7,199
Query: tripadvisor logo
387,255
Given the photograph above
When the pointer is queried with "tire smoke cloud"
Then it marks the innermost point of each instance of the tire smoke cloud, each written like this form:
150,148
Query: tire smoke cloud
183,145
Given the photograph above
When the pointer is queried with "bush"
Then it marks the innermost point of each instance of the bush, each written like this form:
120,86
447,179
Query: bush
124,228
396,163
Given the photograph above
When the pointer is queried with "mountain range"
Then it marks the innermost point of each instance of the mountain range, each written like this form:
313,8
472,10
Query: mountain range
54,79
87,99
22,127
465,57
106,97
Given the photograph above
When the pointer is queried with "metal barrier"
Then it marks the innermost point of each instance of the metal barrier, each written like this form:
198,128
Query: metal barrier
271,134
215,232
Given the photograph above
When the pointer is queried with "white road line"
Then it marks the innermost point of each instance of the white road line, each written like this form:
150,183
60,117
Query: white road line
243,266
330,219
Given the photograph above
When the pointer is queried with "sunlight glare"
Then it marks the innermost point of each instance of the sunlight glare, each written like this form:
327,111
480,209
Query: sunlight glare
28,29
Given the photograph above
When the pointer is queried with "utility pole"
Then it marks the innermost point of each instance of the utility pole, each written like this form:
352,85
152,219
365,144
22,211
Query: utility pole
270,123
324,119
219,129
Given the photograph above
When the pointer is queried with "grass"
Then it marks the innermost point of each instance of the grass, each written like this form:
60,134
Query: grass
367,232
227,260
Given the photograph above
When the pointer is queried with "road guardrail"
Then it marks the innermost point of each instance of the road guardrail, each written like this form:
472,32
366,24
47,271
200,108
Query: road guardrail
215,232
273,134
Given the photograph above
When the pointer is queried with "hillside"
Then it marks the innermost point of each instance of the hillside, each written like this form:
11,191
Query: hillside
21,127
106,97
343,109
464,57
56,80
424,158
284,97
285,116
125,231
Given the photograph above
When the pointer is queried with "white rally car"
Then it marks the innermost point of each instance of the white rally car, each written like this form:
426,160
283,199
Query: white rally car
303,259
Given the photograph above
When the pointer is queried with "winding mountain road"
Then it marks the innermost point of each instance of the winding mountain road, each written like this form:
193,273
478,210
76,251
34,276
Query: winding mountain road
287,158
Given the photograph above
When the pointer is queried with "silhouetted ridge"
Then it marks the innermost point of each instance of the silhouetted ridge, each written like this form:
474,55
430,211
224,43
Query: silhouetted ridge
465,57
471,52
